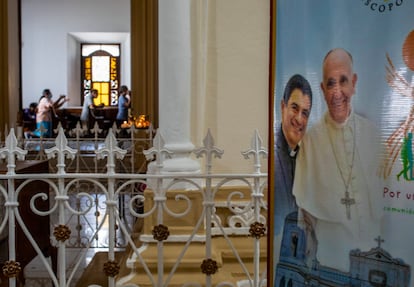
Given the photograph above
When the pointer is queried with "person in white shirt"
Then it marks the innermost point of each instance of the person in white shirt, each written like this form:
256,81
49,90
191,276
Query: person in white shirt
336,186
88,104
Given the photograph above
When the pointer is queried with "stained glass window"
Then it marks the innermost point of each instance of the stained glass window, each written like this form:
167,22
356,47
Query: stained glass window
100,71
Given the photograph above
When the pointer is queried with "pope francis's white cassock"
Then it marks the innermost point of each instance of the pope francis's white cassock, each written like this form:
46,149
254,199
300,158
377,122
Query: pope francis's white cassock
336,183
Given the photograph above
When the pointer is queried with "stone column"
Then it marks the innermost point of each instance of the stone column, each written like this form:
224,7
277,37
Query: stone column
175,84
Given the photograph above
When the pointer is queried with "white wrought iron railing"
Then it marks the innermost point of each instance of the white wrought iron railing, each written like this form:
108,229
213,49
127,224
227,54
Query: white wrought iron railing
154,231
132,139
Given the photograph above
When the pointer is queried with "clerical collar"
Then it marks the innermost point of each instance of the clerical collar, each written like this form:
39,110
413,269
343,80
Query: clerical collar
336,125
293,152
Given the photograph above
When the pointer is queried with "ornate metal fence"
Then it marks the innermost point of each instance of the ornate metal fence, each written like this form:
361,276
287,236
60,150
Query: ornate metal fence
157,229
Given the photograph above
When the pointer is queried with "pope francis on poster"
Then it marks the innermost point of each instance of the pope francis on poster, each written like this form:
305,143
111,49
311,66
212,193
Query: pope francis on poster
359,59
336,185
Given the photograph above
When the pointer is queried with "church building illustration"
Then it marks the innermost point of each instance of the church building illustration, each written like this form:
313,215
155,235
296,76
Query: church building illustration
373,268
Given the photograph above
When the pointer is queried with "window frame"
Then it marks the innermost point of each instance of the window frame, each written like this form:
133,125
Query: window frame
112,95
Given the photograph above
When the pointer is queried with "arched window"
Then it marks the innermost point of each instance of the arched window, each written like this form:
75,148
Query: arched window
100,71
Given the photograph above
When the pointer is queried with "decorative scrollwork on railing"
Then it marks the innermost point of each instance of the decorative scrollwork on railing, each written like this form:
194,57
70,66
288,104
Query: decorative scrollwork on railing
136,202
215,220
61,150
209,150
41,195
139,199
111,268
256,150
257,230
209,266
99,188
62,233
180,214
178,197
244,219
262,201
3,213
158,151
89,209
11,269
111,151
160,232
238,207
11,150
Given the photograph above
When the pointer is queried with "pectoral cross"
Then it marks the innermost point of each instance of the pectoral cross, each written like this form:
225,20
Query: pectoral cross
348,202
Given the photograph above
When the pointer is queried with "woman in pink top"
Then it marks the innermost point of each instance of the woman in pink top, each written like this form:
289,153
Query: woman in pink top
45,108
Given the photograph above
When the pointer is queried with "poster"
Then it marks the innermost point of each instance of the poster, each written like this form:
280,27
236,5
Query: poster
343,204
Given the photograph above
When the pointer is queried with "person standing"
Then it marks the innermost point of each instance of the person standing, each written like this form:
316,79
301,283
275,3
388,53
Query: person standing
336,186
88,104
124,103
45,113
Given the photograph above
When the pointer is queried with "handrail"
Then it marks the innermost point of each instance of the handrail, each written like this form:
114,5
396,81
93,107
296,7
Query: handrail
224,212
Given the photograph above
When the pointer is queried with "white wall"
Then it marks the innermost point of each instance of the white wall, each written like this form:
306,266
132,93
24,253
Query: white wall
51,35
